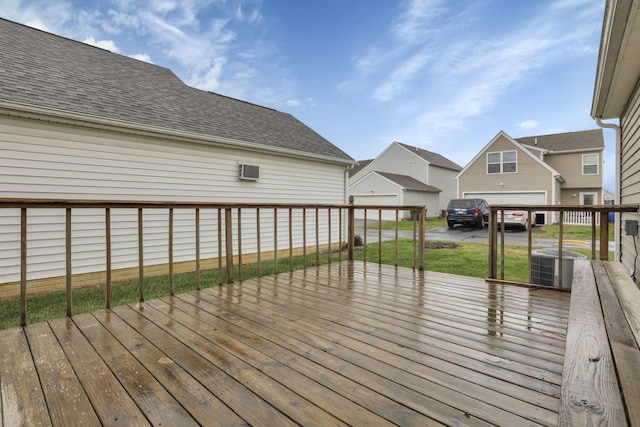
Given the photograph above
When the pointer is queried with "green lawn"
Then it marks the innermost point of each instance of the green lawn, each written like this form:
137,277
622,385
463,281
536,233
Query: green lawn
578,232
467,259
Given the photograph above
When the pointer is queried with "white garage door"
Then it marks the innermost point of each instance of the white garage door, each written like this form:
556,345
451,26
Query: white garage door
502,198
376,199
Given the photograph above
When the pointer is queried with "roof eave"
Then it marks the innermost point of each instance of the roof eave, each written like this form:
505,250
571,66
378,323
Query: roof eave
28,111
618,64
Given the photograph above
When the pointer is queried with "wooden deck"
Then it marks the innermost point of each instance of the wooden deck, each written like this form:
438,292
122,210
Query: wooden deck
341,344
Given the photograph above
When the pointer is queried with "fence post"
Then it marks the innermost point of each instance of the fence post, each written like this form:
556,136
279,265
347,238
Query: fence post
228,227
351,229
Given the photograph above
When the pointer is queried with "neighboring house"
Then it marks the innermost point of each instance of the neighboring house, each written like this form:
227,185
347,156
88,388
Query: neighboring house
405,175
617,96
609,197
553,169
79,122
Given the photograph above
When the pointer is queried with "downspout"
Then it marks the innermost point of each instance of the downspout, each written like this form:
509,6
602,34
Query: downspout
617,130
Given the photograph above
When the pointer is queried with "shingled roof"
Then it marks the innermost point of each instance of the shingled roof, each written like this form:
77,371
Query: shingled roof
44,70
569,141
409,183
433,158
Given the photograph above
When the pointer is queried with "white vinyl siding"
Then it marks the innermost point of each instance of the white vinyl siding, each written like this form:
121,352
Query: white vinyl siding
502,162
590,164
43,161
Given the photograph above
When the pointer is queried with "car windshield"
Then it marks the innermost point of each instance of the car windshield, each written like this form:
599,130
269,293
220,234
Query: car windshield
462,204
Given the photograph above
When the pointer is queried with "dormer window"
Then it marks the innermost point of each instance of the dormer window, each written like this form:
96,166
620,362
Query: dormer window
590,164
502,162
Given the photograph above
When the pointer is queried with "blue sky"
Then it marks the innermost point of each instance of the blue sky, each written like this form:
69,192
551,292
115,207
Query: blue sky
444,75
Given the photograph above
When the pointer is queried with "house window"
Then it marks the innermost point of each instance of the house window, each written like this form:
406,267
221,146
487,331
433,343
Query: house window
589,164
588,198
502,162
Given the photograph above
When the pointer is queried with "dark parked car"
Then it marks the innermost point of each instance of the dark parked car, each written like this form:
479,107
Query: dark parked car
468,211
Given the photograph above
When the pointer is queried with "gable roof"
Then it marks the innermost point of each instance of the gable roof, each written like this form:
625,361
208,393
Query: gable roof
433,158
408,183
585,140
361,164
516,145
39,69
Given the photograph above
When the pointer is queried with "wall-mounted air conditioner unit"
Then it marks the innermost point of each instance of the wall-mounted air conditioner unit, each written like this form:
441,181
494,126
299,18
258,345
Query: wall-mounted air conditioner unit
248,172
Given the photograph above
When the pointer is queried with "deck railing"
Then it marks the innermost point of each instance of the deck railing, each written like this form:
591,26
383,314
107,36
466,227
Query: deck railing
598,216
234,234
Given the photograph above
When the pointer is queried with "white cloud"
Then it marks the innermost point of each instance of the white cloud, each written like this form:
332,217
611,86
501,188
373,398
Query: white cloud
211,79
142,57
414,22
528,125
399,79
103,44
37,23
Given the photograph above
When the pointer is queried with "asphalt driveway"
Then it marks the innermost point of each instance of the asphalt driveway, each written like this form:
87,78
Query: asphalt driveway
463,234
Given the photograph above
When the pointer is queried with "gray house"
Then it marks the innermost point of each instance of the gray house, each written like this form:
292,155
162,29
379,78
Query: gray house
79,122
405,175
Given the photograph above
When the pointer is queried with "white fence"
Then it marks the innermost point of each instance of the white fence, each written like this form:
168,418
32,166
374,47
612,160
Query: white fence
579,218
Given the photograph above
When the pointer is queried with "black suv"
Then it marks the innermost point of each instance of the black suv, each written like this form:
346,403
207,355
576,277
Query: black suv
468,211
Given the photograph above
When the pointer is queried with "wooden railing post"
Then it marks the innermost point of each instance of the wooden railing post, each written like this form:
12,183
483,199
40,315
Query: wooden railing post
351,227
140,257
68,260
107,249
197,248
604,236
493,248
170,254
421,239
228,226
23,267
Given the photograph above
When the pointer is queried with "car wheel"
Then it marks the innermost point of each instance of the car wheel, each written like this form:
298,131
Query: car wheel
481,222
450,224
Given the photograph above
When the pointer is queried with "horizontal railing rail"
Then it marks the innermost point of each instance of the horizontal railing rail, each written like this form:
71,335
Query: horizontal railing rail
236,234
598,216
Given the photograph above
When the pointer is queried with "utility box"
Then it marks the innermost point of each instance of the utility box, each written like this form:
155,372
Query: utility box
545,267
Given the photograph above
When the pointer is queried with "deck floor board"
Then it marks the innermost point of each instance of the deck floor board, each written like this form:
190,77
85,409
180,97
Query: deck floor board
339,344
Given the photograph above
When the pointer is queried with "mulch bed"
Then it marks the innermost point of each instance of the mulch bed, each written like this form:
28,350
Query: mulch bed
441,245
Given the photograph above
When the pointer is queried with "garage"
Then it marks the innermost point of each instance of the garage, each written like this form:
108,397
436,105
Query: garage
376,199
514,198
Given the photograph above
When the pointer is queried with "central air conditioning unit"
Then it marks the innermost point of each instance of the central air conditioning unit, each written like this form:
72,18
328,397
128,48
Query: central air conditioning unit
543,270
545,267
248,172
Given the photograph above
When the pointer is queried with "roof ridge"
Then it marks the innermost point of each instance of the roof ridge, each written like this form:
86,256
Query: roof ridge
240,100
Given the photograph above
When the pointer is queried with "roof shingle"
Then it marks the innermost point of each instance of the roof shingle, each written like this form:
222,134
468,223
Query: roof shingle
433,158
409,183
569,141
44,70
